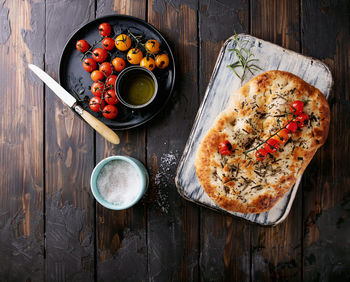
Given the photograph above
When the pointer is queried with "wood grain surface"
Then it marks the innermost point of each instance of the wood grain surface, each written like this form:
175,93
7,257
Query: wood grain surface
52,229
21,158
326,184
69,160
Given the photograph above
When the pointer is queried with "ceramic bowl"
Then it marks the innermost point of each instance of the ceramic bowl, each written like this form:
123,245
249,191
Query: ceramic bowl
140,168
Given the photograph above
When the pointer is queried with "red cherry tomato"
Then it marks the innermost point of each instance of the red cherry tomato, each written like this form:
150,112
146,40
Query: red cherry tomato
105,29
97,89
225,148
96,104
106,68
118,63
271,145
108,43
82,45
297,107
111,97
260,154
110,111
302,120
111,80
283,136
292,127
99,55
89,65
97,75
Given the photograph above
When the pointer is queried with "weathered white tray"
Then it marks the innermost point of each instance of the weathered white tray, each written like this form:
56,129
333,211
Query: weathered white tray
222,85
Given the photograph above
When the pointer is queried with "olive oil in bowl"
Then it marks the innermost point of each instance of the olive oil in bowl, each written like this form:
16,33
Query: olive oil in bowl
136,87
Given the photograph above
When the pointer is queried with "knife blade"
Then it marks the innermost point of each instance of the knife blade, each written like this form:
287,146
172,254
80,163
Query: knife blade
99,126
54,86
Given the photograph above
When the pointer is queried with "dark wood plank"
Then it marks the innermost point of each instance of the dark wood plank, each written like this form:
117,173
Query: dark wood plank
326,183
21,154
222,257
121,235
276,251
172,221
69,161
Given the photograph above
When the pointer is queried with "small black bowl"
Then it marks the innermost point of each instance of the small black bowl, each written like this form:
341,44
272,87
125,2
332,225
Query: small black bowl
123,78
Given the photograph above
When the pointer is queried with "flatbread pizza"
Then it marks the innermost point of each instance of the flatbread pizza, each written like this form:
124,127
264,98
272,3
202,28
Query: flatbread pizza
262,142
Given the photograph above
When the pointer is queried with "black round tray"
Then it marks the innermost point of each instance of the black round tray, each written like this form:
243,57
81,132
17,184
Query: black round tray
74,78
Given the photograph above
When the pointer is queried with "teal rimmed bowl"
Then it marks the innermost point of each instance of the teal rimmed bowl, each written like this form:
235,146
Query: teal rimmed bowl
140,168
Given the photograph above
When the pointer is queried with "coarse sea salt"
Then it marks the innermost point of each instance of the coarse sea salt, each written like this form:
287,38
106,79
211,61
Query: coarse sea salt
119,182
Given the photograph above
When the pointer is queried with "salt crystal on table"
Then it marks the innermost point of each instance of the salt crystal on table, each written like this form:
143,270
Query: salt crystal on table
119,182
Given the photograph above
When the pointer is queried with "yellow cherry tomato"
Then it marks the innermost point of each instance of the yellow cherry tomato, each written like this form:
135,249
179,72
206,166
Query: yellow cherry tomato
152,46
162,61
123,42
134,56
148,63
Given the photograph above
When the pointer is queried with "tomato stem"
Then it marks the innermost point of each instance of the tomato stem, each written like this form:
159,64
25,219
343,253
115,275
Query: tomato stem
138,42
89,50
256,147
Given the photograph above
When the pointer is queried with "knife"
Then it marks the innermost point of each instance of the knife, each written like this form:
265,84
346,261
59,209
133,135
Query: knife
99,126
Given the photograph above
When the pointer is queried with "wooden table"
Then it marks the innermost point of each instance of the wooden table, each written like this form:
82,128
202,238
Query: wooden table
51,229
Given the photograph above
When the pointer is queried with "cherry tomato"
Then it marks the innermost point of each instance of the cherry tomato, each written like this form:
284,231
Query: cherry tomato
97,76
123,42
106,68
89,65
99,55
134,56
297,107
110,111
118,63
283,136
152,46
111,97
96,104
225,147
260,154
271,145
82,45
302,120
97,89
292,127
111,80
105,29
162,61
108,43
148,63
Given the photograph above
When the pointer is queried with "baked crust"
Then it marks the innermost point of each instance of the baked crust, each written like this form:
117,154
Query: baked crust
238,182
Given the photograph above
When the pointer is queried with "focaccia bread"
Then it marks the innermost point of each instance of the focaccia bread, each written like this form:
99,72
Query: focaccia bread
239,182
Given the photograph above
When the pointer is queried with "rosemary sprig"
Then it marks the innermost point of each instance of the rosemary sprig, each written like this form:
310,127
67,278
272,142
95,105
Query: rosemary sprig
245,60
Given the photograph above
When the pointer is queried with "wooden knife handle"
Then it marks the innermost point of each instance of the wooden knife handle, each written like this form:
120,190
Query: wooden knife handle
99,126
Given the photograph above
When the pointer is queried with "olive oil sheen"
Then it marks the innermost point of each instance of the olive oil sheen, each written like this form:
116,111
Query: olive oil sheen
138,88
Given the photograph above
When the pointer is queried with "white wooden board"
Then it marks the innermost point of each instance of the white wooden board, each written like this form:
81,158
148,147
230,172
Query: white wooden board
222,85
